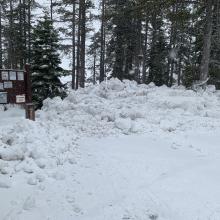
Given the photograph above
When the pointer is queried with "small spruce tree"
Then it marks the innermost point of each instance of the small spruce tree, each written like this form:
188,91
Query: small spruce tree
45,63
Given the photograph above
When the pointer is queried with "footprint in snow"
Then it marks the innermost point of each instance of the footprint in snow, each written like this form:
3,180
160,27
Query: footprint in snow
174,148
153,217
70,199
126,217
29,203
76,209
190,146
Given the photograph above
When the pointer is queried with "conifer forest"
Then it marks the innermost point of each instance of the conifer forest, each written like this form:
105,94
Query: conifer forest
162,41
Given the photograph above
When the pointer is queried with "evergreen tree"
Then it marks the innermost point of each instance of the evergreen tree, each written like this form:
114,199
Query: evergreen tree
158,50
123,48
16,28
207,41
215,50
46,61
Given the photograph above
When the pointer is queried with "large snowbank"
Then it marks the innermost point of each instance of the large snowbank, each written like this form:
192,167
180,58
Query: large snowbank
126,107
110,108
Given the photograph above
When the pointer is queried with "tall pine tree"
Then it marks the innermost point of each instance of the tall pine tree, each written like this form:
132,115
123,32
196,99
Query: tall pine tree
46,61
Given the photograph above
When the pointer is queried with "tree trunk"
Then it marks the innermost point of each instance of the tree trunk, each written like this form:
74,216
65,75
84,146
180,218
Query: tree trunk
1,52
138,51
102,55
172,45
153,42
73,44
78,70
11,63
24,43
179,71
20,43
144,67
204,66
29,32
51,10
94,69
83,44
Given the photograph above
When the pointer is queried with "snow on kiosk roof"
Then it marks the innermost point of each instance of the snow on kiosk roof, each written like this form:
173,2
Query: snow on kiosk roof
15,87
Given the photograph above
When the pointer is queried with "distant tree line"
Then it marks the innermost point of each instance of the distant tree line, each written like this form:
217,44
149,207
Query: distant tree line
162,41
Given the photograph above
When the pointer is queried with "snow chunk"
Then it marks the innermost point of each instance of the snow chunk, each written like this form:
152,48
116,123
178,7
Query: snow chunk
115,84
124,125
10,154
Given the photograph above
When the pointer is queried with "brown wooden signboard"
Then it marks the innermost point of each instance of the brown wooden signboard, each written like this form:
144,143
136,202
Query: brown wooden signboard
15,86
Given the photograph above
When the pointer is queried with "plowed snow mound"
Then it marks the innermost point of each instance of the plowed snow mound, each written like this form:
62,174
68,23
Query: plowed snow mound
126,107
110,108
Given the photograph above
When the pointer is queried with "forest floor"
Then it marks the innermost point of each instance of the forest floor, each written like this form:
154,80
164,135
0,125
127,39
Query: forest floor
117,151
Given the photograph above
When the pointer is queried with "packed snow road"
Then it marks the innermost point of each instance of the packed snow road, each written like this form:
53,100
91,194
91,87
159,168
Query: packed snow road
117,151
143,177
132,177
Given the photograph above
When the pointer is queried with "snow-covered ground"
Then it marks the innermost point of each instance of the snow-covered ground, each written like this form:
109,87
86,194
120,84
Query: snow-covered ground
117,151
8,118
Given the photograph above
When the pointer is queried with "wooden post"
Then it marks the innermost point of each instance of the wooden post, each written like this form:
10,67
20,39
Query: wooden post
29,107
30,111
28,84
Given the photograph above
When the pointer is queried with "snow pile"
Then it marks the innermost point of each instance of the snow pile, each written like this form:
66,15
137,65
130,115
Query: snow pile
34,147
110,108
126,107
